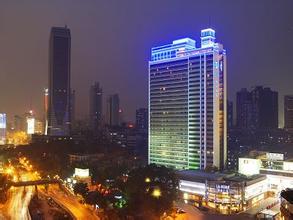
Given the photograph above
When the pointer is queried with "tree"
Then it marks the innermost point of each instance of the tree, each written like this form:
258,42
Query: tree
96,198
81,188
151,190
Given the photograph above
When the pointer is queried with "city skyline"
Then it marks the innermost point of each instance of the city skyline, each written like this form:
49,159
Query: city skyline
146,109
93,60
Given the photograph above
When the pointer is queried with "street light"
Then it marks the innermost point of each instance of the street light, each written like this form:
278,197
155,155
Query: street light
147,180
156,193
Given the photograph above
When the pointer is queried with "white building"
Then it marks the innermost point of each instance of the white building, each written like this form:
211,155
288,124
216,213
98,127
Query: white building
2,128
279,171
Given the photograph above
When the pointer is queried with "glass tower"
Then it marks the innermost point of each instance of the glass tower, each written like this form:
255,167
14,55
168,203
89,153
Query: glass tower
187,104
59,118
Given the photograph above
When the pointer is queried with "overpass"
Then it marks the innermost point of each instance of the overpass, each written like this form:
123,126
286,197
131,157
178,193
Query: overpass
34,182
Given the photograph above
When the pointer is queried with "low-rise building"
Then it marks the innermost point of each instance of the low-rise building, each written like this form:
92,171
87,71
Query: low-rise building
278,169
88,158
286,207
224,192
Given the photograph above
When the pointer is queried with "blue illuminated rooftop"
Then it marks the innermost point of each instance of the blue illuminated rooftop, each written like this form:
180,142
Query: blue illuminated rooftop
183,45
170,50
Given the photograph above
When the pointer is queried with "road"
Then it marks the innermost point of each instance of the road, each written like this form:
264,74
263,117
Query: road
70,202
17,206
19,198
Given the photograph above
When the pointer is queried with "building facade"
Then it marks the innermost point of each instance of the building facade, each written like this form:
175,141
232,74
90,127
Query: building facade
225,193
96,106
142,119
288,112
113,110
230,115
187,104
59,118
244,109
257,109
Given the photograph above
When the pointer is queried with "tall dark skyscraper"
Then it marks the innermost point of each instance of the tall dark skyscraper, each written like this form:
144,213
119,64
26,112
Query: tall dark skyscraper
142,118
288,111
96,106
265,103
244,109
113,110
59,119
257,109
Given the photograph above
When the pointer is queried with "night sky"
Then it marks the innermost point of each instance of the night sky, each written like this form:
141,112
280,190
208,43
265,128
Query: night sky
111,42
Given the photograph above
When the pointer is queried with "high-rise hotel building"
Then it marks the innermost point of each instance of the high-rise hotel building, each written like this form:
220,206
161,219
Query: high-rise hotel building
187,104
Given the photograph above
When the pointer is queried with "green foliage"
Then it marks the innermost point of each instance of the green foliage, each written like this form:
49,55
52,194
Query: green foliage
96,198
140,190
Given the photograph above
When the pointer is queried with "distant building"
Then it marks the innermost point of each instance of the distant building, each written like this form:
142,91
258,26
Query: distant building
84,158
59,117
188,104
244,109
288,112
46,110
3,126
230,114
96,106
257,109
19,123
113,110
142,118
30,122
72,106
266,107
142,133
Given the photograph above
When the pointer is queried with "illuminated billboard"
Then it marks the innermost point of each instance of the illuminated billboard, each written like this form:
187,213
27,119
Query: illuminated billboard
2,120
2,128
248,166
81,172
275,156
30,125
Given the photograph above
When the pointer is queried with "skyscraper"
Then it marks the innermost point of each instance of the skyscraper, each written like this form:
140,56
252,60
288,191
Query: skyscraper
96,106
288,112
59,82
257,109
244,109
113,110
187,104
265,107
142,118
